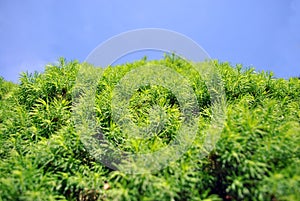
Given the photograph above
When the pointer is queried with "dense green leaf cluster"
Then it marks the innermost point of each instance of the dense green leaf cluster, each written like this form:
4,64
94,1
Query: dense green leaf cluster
256,158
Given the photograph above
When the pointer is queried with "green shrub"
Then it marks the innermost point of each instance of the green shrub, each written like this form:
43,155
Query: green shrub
256,158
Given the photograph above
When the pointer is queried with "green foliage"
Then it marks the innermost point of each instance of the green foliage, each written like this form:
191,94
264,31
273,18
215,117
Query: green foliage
6,91
55,82
6,88
256,158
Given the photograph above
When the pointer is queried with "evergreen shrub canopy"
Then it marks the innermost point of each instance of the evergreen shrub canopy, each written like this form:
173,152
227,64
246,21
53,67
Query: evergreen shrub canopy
256,157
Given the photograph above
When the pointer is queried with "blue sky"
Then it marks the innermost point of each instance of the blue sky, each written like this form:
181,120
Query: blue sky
264,34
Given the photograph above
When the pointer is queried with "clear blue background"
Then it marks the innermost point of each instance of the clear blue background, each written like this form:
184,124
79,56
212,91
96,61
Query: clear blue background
264,34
